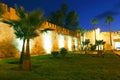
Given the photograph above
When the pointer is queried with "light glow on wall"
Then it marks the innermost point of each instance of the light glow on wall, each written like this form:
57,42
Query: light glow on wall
20,44
75,43
97,31
69,43
61,41
47,41
117,45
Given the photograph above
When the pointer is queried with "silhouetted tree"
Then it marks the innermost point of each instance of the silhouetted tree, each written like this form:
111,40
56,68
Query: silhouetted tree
108,20
99,43
86,43
26,28
72,20
82,32
95,22
58,17
18,28
61,18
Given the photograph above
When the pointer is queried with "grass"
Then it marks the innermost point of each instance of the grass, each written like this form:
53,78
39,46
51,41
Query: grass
73,67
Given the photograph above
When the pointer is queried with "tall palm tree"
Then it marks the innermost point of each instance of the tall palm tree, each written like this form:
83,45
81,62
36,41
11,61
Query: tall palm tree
31,23
95,22
26,28
108,20
82,32
19,28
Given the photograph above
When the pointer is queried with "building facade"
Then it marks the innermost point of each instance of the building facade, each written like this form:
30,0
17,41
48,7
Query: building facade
52,40
105,36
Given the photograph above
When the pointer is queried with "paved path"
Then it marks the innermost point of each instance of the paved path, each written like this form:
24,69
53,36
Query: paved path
117,52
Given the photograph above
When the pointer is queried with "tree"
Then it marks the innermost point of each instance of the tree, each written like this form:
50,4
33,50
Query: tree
82,32
108,20
95,22
85,43
58,17
61,18
18,28
99,43
72,20
32,23
26,27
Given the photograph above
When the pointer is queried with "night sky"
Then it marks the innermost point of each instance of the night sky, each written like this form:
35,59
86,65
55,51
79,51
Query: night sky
86,9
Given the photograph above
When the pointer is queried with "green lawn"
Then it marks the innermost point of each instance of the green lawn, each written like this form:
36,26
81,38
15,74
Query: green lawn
74,67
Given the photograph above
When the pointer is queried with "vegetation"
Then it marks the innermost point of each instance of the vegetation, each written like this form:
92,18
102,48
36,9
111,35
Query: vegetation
86,43
26,28
55,54
72,20
82,32
77,67
95,22
58,17
108,20
65,19
63,52
100,43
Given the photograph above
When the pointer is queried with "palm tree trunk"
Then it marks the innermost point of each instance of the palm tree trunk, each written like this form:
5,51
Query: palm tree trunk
27,60
23,52
110,34
95,32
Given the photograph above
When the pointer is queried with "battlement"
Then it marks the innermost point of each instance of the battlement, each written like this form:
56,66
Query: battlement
10,13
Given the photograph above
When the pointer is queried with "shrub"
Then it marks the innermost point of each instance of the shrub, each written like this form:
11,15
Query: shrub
55,53
63,52
92,47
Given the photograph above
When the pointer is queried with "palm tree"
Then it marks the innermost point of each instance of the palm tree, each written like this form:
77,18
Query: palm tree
95,22
86,43
98,43
108,20
32,23
26,28
82,32
19,28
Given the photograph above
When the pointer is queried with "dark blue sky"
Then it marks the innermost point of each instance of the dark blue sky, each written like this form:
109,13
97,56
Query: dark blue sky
86,9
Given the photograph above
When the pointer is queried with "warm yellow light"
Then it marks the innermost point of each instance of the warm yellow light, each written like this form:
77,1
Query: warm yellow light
97,31
47,41
61,41
19,44
75,42
69,43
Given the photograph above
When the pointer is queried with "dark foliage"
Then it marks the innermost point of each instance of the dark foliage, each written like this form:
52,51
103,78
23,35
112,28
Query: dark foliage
63,52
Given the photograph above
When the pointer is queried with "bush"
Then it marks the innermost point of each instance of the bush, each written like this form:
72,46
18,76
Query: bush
92,47
63,52
55,53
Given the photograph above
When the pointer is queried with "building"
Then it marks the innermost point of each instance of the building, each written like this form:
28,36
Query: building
52,40
105,36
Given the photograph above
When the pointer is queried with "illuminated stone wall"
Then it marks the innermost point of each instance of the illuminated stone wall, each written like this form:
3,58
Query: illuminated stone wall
55,39
10,13
103,36
8,44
